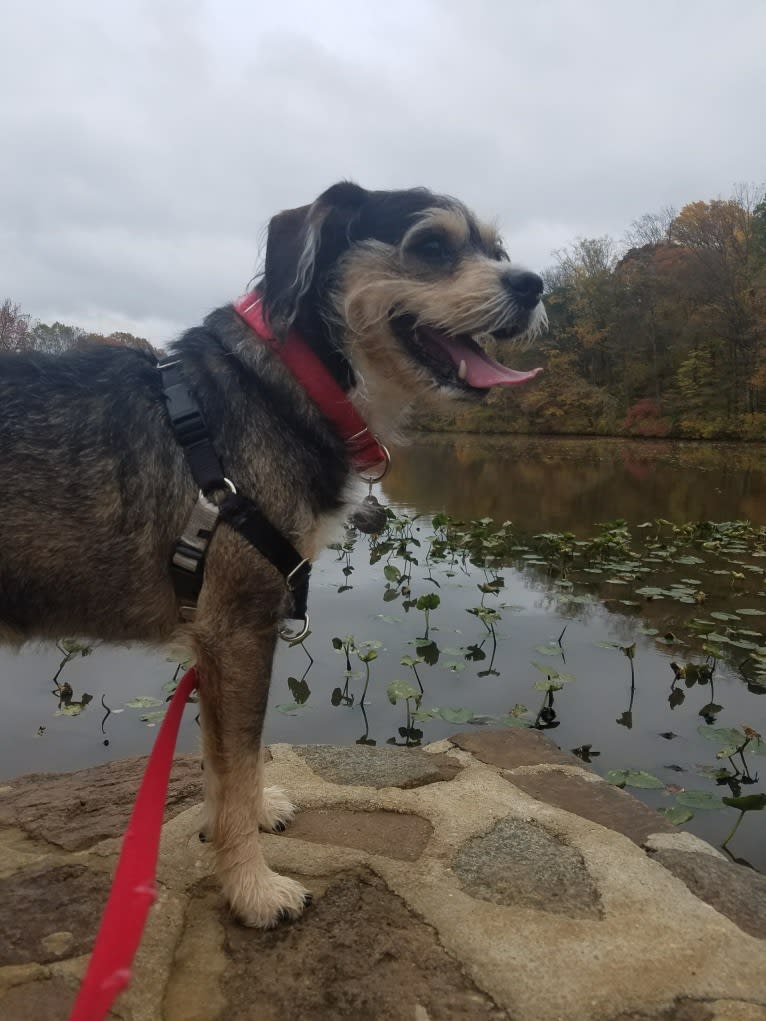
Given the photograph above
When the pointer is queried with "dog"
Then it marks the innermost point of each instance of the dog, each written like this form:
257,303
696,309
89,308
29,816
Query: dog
391,290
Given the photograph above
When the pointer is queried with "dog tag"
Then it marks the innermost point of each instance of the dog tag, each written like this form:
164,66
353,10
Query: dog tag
370,516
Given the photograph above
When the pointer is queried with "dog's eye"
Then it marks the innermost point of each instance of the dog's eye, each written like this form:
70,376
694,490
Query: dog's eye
501,255
432,247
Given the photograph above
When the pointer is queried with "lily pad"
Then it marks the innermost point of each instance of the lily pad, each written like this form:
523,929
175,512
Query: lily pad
144,702
551,649
400,689
452,715
676,814
634,778
699,800
724,736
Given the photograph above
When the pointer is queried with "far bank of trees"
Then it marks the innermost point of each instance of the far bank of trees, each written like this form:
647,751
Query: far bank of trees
19,333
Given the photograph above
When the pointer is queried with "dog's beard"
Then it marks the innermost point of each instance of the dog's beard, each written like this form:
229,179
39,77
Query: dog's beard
440,326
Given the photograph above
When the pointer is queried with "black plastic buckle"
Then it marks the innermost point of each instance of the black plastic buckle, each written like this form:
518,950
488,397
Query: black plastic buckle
185,416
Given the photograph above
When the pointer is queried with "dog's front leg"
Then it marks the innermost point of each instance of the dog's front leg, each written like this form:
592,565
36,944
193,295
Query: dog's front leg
235,671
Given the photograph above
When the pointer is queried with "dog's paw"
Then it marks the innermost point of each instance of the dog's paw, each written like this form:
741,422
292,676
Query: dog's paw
276,811
269,902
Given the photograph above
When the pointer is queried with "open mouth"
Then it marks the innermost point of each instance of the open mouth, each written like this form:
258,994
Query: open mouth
458,361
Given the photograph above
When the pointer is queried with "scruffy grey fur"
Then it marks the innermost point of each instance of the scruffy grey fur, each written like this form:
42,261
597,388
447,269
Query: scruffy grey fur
95,490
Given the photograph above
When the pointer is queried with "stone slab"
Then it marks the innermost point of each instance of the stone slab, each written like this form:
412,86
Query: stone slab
363,766
735,891
49,913
520,863
600,802
393,834
510,748
48,1000
76,810
358,953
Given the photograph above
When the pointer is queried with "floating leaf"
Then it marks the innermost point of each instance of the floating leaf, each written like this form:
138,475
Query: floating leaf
422,714
723,736
548,685
551,673
291,708
616,777
455,715
144,702
400,689
392,573
511,720
548,650
676,814
69,710
643,780
699,800
152,719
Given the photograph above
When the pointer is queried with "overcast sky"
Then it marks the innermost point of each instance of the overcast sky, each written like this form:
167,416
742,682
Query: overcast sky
145,144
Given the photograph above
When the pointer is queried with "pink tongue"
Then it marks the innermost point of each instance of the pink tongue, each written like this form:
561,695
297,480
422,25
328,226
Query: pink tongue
482,371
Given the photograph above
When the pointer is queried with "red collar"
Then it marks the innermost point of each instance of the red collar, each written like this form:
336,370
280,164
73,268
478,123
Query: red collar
365,451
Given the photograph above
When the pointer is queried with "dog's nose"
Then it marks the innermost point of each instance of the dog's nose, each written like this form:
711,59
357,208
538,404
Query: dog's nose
526,287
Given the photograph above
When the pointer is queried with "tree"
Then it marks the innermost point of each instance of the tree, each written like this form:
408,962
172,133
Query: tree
719,238
56,338
14,327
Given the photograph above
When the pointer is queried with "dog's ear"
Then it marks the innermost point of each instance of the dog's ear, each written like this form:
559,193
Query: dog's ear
301,243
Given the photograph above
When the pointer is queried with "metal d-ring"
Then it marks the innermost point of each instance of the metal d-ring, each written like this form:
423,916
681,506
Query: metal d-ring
289,636
372,479
227,484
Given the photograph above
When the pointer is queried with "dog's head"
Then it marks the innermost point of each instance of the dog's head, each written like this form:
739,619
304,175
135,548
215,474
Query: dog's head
401,288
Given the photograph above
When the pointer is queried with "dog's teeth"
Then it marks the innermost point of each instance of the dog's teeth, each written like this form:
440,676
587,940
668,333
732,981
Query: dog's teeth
462,371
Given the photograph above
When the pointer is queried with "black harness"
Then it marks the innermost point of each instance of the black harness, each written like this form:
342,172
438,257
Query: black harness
219,500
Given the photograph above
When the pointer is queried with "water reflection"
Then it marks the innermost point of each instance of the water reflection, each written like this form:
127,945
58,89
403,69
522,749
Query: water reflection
568,484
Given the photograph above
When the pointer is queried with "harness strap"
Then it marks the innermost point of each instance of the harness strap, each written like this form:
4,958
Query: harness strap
238,511
243,516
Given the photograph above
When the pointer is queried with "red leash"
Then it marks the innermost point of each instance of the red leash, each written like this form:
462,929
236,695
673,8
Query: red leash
133,891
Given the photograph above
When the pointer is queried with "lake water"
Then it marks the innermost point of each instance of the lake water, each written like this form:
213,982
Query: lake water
540,485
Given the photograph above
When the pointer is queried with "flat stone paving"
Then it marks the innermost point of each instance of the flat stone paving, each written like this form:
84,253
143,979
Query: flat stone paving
490,876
